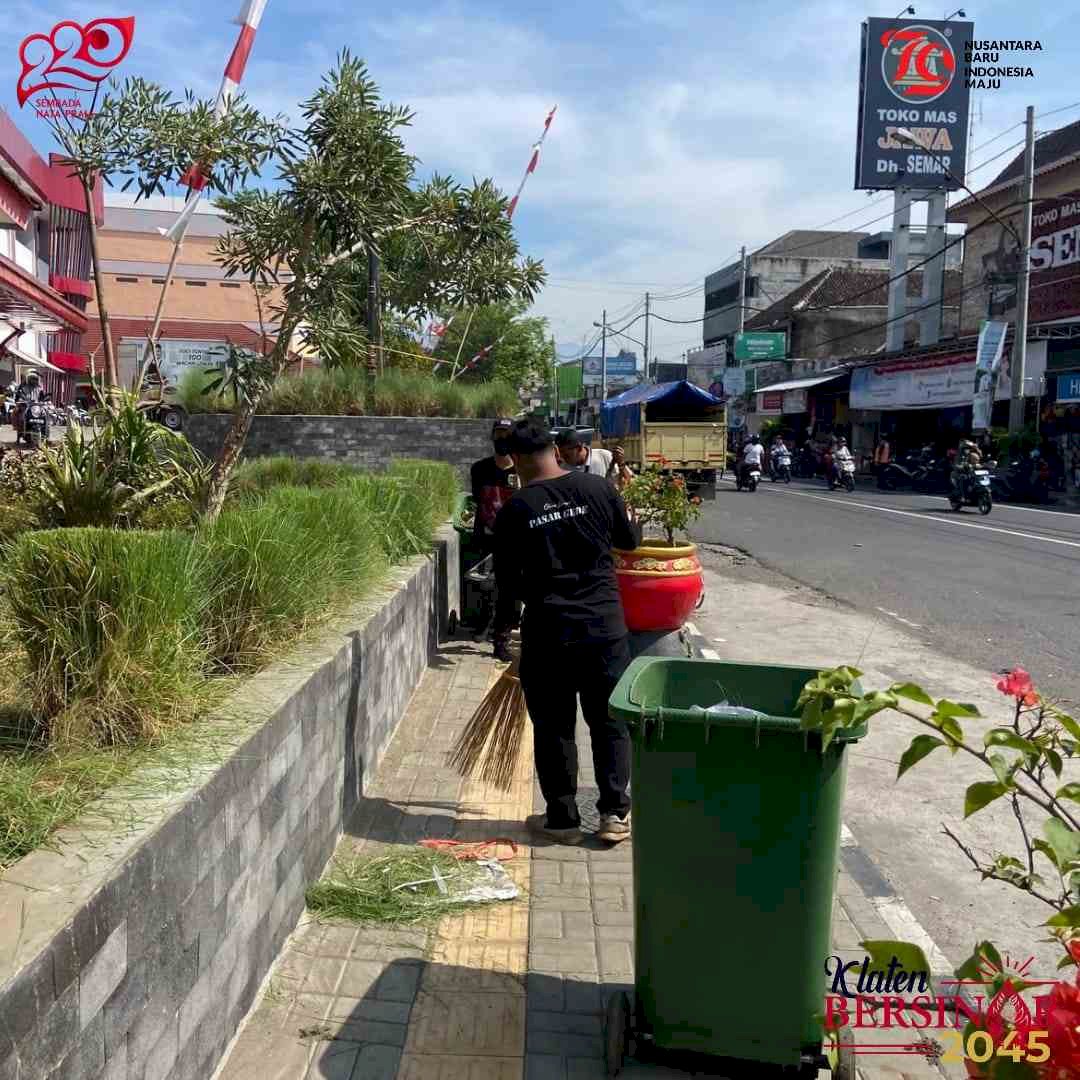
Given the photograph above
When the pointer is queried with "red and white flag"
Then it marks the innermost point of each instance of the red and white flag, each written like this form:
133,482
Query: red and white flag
248,20
534,160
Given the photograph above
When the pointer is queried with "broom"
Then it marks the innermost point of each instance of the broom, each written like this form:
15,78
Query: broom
489,746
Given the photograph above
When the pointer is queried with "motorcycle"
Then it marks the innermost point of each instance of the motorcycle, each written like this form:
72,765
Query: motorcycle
748,477
806,463
781,467
31,423
842,475
1023,480
974,490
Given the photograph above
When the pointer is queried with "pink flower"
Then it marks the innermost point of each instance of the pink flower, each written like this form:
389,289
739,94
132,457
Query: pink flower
1018,684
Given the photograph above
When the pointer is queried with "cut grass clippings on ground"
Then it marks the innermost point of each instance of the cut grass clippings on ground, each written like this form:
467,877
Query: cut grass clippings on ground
404,888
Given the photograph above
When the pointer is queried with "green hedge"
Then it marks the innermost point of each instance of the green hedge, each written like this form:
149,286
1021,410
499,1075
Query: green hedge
352,392
120,628
114,628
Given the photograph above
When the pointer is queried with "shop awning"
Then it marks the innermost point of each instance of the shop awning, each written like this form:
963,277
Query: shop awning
800,384
25,299
15,208
21,357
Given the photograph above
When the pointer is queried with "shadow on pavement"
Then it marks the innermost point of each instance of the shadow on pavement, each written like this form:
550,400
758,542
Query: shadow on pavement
466,1022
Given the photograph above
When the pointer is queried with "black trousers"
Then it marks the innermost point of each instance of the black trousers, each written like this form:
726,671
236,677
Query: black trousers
553,677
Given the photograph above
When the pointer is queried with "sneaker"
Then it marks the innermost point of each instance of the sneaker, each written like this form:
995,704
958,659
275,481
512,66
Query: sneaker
537,823
614,829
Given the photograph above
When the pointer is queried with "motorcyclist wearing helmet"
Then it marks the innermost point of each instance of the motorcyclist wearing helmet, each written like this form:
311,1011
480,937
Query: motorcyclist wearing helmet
30,388
753,455
964,463
840,455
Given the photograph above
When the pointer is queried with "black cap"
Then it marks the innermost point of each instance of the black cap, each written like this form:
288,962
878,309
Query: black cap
502,424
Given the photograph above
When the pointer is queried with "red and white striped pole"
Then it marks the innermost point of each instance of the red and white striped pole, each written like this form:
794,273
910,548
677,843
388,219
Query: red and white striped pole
249,18
534,160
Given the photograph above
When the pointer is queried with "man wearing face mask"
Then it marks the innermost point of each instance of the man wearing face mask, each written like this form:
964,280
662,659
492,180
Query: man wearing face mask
494,480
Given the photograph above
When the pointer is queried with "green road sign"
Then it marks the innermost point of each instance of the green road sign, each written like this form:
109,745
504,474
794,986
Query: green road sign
755,345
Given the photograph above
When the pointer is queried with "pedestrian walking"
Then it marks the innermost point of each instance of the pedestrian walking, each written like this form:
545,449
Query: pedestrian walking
553,552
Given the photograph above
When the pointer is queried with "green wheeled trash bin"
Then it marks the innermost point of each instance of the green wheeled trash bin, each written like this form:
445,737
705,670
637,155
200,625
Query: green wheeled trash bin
737,815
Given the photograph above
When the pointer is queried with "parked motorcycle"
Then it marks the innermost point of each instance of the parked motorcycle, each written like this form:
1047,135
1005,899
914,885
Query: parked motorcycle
1023,480
748,478
974,490
842,474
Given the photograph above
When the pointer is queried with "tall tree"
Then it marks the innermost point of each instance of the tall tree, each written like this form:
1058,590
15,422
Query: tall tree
141,133
346,187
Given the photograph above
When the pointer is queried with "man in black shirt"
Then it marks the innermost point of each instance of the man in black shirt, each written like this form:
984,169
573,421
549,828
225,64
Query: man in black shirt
553,543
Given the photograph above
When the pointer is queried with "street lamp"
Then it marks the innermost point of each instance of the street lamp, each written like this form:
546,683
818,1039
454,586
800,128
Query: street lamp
906,11
959,11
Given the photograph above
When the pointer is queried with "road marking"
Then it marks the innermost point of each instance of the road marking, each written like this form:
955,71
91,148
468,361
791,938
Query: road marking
997,506
898,918
900,618
923,517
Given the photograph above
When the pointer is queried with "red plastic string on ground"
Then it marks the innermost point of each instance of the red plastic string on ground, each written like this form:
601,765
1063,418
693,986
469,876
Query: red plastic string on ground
465,850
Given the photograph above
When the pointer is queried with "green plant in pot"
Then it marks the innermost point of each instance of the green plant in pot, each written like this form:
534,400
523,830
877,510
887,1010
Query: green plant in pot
660,581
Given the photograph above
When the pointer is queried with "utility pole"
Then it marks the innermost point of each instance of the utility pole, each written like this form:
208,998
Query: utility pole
555,382
646,335
603,357
374,323
1023,283
742,288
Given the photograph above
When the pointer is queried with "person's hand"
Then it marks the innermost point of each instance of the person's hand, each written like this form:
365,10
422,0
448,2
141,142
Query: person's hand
619,456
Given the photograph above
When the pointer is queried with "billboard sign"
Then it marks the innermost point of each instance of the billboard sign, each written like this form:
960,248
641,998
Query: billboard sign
911,77
771,402
622,365
1068,388
987,361
735,382
705,367
755,346
177,358
927,383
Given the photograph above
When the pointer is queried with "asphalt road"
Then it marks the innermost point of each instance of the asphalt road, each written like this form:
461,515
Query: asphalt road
995,591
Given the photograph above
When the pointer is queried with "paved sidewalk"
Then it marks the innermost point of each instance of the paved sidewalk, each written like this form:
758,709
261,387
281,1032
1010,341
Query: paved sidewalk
505,992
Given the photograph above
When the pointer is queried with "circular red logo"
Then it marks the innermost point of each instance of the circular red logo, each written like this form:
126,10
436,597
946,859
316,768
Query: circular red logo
917,63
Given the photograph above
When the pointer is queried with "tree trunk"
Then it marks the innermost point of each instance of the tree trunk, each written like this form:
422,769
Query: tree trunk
227,458
112,376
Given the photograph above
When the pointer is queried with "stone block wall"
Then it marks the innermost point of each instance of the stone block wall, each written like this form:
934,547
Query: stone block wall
366,441
134,950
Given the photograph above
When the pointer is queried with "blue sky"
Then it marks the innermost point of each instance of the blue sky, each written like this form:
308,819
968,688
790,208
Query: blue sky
684,128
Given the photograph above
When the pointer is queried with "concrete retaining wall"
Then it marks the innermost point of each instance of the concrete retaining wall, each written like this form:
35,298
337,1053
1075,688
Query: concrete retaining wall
367,441
134,950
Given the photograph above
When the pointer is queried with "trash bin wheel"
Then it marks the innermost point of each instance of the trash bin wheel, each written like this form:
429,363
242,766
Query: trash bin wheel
617,1033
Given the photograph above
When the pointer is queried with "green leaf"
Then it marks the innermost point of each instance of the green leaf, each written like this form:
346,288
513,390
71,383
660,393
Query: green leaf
882,952
951,729
982,794
956,708
1054,760
1069,724
971,968
1069,791
1068,919
920,746
1004,737
1005,1068
874,702
913,693
1040,845
1003,770
1064,841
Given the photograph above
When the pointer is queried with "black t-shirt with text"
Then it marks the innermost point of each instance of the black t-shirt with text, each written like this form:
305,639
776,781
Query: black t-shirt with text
553,544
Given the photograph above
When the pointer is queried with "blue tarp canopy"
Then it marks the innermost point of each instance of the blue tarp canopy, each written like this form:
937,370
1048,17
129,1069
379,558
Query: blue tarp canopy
621,415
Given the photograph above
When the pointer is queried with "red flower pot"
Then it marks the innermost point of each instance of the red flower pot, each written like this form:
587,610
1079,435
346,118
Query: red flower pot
660,585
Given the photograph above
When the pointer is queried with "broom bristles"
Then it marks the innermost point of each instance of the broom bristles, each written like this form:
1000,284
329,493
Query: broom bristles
490,743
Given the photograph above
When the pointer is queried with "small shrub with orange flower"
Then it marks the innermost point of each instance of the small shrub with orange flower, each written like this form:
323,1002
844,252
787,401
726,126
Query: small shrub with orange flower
660,498
1027,762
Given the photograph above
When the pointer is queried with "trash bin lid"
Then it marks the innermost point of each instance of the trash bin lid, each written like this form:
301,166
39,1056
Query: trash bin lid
715,693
